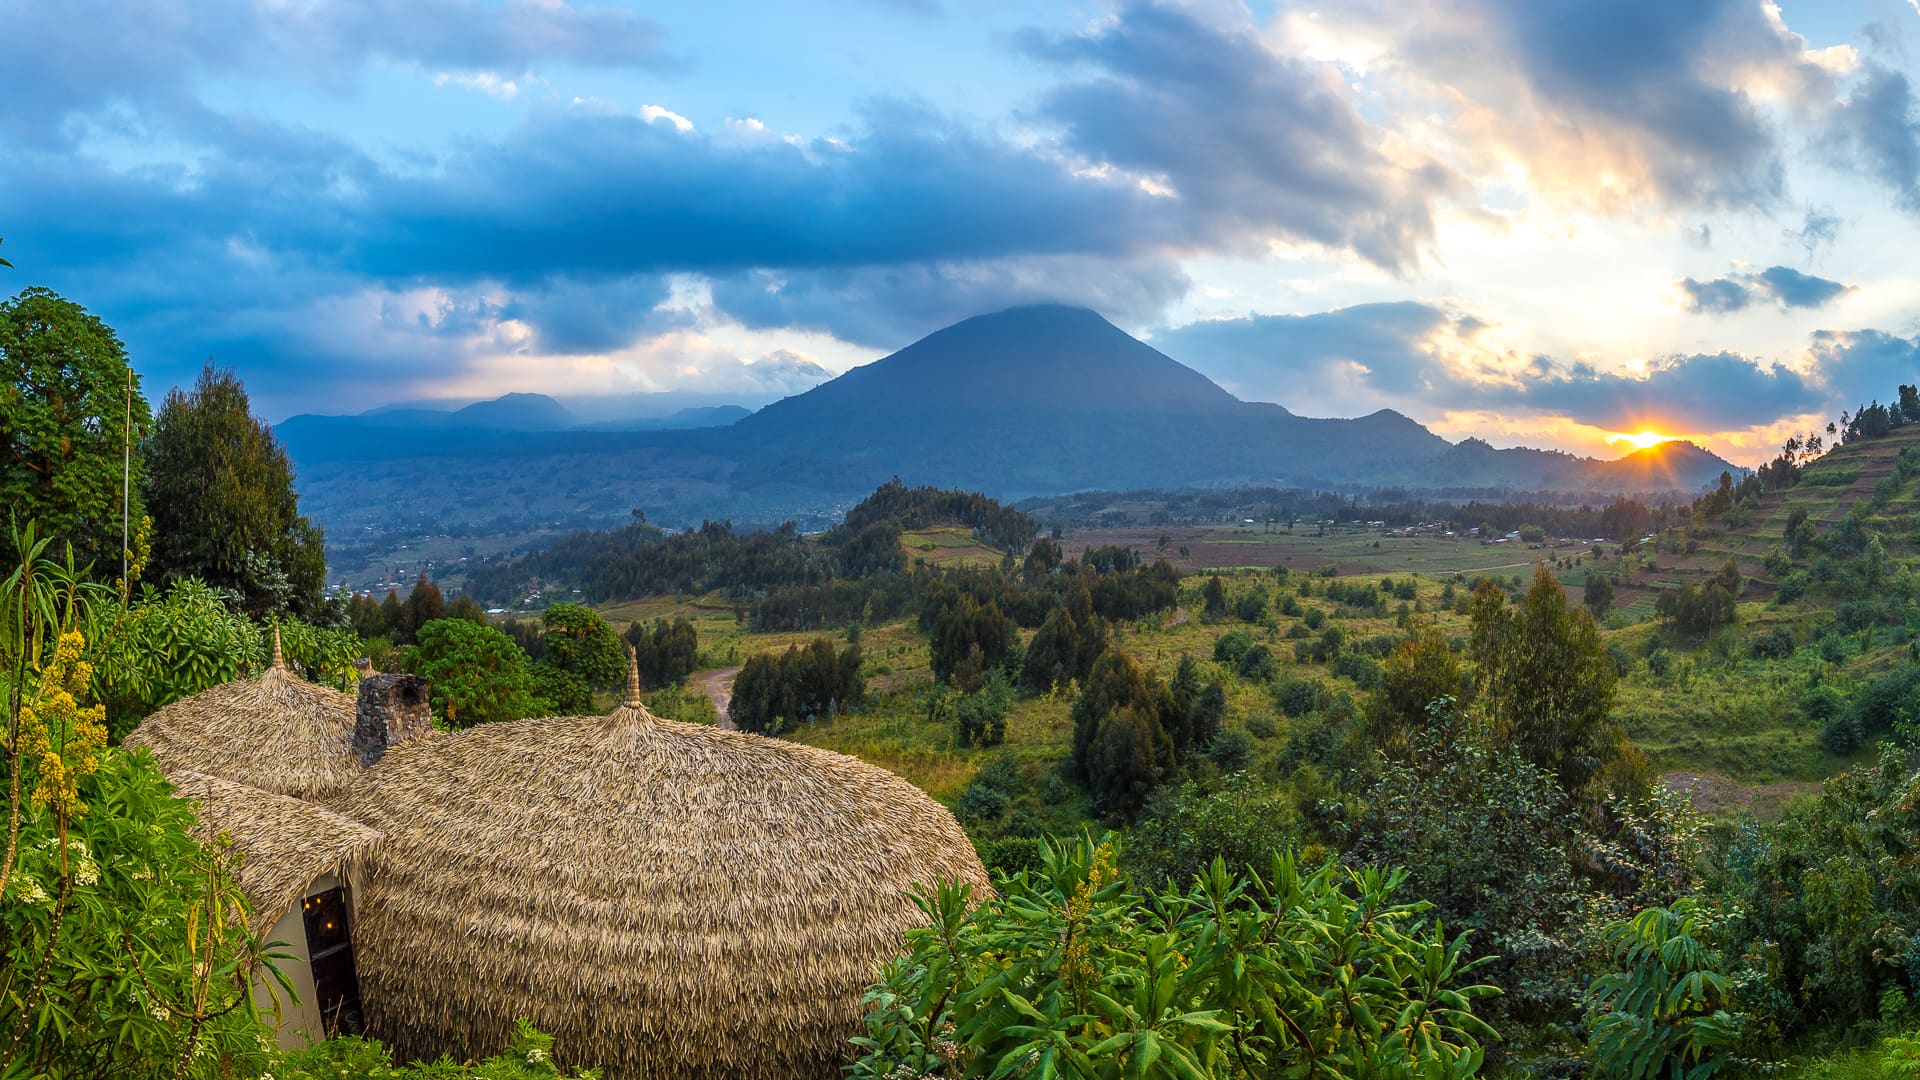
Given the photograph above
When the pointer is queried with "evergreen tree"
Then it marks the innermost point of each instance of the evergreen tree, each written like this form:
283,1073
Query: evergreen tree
63,428
1599,594
220,488
423,605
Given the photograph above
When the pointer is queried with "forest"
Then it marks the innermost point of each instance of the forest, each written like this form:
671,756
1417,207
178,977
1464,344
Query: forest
1243,822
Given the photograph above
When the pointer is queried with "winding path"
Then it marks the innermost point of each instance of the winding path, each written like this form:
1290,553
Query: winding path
718,686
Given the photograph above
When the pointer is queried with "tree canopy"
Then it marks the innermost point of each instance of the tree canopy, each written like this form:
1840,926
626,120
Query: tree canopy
64,408
220,487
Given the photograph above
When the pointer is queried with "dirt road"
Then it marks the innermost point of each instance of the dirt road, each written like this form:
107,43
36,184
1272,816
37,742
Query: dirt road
718,686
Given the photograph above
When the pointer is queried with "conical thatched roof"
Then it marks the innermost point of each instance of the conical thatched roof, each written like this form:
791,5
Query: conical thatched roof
284,843
668,899
276,732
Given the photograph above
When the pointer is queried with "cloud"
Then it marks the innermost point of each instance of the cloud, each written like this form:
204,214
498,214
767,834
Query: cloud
891,306
1782,285
1878,127
1697,393
1318,362
1603,102
1424,358
1246,144
82,62
1821,228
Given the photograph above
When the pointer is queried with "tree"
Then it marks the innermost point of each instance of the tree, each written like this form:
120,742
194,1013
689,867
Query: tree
477,673
65,398
582,655
1419,672
423,605
220,487
1214,599
1599,594
667,652
1121,765
1546,682
772,695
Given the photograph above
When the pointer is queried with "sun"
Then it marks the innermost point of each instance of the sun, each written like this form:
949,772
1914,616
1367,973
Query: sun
1640,440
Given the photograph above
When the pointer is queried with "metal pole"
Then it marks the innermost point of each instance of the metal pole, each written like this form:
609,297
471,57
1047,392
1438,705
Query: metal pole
126,487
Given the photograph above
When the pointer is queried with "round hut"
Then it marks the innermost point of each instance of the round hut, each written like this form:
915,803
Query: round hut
296,865
276,732
667,899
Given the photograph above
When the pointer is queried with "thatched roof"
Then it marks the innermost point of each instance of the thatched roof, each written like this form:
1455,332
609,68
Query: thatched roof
667,899
276,732
285,844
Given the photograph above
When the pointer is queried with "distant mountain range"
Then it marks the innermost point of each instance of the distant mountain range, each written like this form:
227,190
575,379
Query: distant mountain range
1029,401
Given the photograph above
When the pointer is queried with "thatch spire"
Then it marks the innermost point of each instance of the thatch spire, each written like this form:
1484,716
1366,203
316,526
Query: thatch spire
666,899
277,660
633,680
276,731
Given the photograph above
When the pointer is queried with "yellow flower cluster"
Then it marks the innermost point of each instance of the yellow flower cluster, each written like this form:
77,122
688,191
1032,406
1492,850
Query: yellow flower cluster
59,735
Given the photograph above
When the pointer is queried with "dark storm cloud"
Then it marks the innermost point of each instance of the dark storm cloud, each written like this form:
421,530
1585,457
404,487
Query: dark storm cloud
1253,144
1780,285
69,63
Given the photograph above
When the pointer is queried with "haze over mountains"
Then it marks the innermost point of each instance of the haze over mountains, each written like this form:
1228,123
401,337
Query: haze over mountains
1029,401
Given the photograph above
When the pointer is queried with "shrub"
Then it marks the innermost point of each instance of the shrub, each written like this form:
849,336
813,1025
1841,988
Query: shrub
529,1056
1185,828
1776,644
1296,696
1231,750
1662,1012
1256,664
1070,972
1262,726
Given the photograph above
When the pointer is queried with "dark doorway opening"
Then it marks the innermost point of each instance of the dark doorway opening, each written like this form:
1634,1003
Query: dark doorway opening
336,985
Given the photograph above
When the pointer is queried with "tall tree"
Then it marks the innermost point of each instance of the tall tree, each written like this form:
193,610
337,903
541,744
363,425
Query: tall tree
224,509
67,396
1547,682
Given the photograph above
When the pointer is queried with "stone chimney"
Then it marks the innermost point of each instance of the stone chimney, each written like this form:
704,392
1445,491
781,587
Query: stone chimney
391,710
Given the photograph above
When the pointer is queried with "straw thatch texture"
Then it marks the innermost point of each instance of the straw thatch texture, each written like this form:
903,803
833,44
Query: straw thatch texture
669,900
276,732
284,843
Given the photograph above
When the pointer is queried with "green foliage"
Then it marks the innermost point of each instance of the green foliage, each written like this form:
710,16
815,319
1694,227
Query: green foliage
581,654
169,646
529,1056
773,694
1829,900
1598,594
64,383
134,880
1185,828
667,652
980,718
1421,670
1070,973
1661,1014
477,673
220,488
1547,683
1231,750
1213,599
968,638
1120,747
1064,648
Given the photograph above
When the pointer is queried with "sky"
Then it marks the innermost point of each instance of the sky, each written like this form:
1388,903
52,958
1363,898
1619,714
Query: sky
1542,222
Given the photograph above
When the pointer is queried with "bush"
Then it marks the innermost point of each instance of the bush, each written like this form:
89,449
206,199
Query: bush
981,717
529,1056
1256,664
1231,750
1069,955
1187,827
1776,644
1364,670
1297,697
1662,1012
1262,726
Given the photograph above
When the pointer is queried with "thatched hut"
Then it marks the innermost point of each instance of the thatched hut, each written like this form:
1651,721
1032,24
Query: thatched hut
668,899
280,733
297,862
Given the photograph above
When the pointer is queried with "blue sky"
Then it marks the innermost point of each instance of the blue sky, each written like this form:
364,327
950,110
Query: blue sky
1544,223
